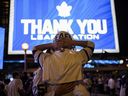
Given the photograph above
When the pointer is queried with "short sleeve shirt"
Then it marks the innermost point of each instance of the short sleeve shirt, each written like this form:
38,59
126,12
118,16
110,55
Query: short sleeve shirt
13,86
62,67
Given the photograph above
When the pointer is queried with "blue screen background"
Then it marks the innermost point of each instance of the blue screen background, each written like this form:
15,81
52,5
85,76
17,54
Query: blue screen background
46,9
2,33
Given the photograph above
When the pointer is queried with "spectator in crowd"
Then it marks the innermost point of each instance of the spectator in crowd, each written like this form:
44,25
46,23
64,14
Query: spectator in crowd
15,87
28,84
37,80
24,78
118,80
2,84
126,91
100,84
111,86
123,85
62,68
2,87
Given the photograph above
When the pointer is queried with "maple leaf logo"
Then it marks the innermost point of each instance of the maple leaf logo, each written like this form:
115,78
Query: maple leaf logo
64,9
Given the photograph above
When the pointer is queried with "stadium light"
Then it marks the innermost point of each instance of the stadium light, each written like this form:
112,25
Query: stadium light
25,47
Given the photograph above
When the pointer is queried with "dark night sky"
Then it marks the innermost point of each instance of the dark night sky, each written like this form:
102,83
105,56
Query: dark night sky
121,7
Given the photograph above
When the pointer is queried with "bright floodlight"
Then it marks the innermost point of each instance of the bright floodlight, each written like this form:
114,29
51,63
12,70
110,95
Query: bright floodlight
25,46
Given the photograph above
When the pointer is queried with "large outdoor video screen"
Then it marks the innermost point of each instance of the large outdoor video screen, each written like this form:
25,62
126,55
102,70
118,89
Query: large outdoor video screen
37,21
2,34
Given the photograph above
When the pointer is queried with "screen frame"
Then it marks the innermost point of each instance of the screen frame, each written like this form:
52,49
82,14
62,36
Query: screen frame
11,29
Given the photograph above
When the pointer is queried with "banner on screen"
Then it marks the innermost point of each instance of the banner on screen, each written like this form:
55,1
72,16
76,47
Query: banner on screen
2,33
37,22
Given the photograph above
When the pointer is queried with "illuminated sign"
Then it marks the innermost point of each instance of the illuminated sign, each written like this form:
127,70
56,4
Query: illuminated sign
37,22
2,33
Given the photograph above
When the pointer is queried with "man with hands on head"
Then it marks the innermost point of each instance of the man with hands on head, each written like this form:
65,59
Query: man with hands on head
62,65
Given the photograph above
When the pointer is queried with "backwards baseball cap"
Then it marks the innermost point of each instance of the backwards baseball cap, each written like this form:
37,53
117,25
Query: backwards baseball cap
61,35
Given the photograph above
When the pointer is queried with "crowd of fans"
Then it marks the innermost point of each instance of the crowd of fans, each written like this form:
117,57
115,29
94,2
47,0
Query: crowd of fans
108,83
30,84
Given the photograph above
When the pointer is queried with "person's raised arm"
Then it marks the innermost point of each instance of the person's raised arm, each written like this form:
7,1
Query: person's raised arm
68,43
84,44
42,47
55,46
